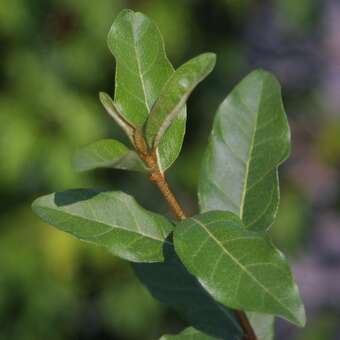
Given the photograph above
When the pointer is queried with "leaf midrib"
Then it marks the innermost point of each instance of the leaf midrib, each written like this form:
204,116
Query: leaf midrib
241,266
140,74
111,226
250,152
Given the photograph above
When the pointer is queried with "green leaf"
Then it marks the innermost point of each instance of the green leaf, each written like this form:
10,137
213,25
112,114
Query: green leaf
172,284
142,69
188,334
174,95
113,220
249,140
107,153
114,112
238,267
263,325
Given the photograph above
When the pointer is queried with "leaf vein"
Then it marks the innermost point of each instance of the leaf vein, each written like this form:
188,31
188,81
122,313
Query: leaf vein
242,267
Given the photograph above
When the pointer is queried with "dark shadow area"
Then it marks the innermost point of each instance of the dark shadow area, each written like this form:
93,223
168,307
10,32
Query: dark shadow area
171,284
75,195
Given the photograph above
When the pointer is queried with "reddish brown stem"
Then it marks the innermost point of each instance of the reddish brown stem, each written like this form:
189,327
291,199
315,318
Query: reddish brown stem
248,330
159,178
163,186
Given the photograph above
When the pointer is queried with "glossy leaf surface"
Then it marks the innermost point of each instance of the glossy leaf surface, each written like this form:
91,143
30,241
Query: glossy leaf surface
172,284
174,95
107,153
238,267
249,139
142,69
188,334
113,220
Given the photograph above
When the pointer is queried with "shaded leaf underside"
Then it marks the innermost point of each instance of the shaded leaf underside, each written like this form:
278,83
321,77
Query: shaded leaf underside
107,153
172,284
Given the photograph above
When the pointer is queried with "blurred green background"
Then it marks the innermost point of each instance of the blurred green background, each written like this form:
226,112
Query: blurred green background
53,63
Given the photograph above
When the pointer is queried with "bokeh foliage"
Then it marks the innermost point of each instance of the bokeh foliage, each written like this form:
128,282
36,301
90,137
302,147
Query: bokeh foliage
54,61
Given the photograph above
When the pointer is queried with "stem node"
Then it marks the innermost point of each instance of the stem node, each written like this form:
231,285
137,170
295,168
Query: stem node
150,158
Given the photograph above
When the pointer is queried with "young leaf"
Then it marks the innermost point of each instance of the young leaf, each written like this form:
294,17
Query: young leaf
142,69
175,94
107,153
172,284
188,334
114,112
238,267
249,140
113,220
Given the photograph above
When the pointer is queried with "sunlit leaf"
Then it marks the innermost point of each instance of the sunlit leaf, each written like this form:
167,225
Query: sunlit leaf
142,69
250,138
174,95
238,267
113,220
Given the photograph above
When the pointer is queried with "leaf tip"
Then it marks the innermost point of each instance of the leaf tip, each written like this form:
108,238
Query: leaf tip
125,11
34,204
265,75
122,15
108,104
103,97
37,205
300,317
212,56
209,59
